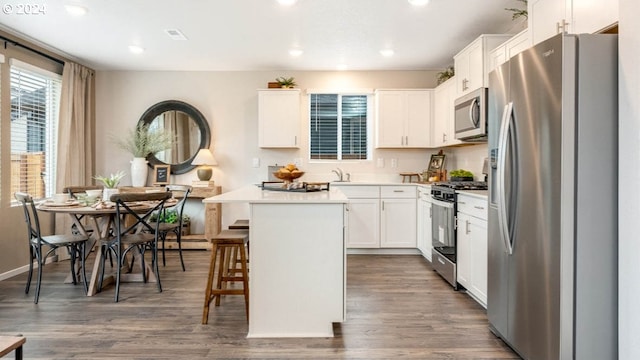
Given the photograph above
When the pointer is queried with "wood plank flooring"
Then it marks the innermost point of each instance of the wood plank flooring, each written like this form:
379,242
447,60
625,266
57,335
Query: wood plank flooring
397,308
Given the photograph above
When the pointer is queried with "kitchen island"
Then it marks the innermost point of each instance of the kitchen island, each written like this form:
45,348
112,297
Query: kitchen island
296,262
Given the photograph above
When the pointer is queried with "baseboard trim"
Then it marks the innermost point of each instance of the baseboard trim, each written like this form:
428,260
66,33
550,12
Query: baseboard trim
17,271
383,252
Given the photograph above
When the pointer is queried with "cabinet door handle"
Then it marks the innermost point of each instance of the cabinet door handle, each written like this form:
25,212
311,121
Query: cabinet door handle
444,137
382,205
479,207
562,26
430,213
398,191
295,140
461,202
466,227
406,140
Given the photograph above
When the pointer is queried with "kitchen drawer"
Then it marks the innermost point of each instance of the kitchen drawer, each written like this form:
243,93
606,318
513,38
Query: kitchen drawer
473,206
398,192
360,191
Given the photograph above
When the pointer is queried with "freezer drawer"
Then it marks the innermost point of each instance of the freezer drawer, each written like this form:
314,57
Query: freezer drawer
444,267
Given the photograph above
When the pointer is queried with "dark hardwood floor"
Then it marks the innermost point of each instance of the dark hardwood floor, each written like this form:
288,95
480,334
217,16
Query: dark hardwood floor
397,307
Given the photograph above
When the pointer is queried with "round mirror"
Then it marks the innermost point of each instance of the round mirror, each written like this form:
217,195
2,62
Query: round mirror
187,125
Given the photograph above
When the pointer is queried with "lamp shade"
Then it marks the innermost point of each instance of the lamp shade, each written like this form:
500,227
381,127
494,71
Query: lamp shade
204,157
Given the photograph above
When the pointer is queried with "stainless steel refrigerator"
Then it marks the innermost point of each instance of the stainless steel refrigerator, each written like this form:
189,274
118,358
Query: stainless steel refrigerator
553,131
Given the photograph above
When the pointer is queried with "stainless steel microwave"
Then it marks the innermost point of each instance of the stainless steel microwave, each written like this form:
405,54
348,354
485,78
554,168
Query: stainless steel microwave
471,116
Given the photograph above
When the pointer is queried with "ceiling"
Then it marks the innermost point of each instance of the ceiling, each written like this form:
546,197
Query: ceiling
245,35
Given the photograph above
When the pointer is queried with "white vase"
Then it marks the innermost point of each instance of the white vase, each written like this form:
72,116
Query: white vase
139,171
107,192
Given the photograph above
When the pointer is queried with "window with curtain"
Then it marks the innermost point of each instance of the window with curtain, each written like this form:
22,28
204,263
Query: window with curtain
35,101
338,127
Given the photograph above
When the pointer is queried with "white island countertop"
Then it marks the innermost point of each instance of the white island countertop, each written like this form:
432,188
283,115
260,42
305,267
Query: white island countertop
253,194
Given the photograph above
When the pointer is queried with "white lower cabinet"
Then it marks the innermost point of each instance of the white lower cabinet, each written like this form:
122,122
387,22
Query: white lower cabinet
398,223
424,222
364,222
472,239
381,216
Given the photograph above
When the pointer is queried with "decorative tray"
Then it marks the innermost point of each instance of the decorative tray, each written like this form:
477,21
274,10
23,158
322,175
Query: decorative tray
295,186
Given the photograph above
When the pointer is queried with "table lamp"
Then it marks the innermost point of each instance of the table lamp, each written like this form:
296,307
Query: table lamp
204,158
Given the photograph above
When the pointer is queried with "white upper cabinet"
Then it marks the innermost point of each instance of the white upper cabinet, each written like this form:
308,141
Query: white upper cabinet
550,17
443,124
509,49
403,118
279,118
472,63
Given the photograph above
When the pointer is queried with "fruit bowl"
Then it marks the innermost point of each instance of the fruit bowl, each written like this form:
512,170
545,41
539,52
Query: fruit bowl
288,177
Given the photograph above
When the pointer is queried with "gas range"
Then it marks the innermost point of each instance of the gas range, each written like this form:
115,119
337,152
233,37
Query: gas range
446,191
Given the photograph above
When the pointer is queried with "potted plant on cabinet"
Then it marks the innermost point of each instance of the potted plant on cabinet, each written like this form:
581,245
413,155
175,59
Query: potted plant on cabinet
286,83
142,142
110,184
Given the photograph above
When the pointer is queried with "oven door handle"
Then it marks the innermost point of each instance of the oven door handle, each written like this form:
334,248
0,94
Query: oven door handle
445,204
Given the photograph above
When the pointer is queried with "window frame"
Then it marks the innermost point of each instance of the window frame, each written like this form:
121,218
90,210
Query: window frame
369,94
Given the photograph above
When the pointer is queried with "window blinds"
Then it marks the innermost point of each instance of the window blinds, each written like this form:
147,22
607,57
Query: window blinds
35,99
338,127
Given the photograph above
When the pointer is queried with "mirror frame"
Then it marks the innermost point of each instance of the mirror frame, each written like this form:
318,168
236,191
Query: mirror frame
195,114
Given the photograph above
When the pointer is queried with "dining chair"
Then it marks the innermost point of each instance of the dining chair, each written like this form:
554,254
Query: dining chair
134,231
165,228
40,247
74,190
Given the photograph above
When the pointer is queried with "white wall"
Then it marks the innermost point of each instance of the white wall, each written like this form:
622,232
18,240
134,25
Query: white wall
629,182
229,102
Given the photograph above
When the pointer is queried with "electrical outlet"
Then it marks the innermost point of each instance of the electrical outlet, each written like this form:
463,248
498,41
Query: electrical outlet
380,163
256,162
394,163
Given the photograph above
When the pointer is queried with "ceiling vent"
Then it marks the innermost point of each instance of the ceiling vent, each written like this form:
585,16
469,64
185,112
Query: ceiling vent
175,34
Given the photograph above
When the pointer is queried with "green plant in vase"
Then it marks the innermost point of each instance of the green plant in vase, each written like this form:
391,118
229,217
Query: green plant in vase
110,184
111,181
141,142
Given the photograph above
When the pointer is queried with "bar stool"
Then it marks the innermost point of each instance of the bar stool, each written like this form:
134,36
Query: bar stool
241,224
225,243
11,343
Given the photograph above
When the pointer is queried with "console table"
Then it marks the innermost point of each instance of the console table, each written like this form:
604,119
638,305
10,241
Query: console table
212,217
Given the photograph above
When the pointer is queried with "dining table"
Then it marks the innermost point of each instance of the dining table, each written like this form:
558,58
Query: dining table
100,218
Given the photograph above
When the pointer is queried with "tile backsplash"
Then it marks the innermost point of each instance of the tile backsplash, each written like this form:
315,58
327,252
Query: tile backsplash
468,158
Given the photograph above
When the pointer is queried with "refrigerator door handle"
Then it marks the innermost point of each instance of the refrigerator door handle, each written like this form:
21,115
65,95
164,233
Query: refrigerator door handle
502,162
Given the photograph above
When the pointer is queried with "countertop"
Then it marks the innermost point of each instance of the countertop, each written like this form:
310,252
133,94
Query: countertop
482,194
253,194
378,183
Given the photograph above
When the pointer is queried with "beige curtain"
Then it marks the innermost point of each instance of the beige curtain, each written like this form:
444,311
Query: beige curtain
76,132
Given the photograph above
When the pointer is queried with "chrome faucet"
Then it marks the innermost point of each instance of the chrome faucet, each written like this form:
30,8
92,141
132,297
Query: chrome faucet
338,172
341,175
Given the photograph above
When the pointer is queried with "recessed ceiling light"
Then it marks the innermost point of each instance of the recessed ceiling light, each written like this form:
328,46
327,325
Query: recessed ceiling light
287,2
418,2
341,67
76,10
175,34
295,52
135,49
387,52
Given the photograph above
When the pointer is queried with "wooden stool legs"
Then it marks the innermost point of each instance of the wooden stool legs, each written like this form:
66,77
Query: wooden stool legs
226,244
